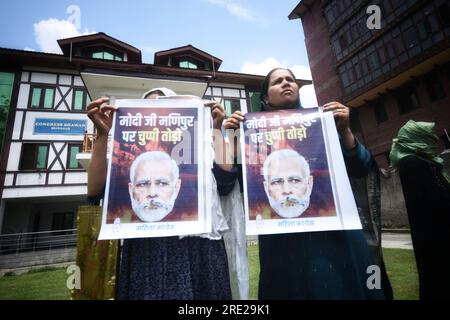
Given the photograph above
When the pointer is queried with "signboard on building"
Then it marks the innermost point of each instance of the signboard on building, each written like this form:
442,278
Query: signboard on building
59,126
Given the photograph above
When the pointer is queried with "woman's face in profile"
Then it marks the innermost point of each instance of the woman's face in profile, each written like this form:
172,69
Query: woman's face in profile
282,90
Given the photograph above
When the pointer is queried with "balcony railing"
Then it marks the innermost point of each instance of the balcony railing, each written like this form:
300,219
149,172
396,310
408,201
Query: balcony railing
33,241
88,142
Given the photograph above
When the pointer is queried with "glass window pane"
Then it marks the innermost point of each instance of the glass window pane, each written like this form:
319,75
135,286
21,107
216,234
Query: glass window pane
48,100
228,107
97,55
78,103
35,100
184,64
255,104
42,157
108,56
117,58
28,156
6,85
192,65
88,99
73,162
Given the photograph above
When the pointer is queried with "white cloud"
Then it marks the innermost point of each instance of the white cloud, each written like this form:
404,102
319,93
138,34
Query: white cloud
301,72
308,96
235,9
307,93
29,49
46,33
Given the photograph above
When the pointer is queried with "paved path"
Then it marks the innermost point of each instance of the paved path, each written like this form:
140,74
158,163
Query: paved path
396,240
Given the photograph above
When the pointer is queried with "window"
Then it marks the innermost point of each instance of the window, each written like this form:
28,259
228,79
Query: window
80,100
34,156
231,105
62,221
354,121
42,97
407,99
380,110
435,88
73,150
187,64
107,55
6,87
255,102
410,38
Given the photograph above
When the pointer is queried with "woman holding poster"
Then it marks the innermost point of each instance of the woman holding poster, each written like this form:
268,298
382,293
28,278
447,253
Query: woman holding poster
309,265
160,268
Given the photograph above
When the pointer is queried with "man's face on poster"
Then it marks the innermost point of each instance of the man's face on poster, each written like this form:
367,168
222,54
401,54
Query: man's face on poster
154,189
288,186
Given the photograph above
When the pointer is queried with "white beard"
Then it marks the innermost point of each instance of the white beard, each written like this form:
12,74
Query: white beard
289,206
151,210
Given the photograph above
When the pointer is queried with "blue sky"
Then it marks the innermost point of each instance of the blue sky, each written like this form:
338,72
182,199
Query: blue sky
250,36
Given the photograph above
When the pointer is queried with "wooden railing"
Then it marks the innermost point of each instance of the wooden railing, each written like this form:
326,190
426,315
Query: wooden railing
88,142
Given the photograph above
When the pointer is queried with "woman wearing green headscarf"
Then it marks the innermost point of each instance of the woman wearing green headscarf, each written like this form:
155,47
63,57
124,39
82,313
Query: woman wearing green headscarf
426,189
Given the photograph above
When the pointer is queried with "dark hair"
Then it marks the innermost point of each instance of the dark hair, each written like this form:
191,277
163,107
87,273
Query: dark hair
265,87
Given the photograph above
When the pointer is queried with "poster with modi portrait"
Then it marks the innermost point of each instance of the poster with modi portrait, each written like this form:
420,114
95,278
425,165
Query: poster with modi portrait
157,173
294,173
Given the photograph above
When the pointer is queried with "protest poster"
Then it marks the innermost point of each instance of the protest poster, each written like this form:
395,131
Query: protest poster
155,182
294,173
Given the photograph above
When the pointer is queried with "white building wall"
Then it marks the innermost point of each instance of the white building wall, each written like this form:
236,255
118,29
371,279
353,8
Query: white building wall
24,93
48,78
27,179
14,156
78,82
9,178
17,125
65,80
31,192
76,177
55,178
34,183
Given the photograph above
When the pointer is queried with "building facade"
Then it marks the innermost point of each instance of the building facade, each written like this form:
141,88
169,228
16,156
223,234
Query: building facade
43,103
389,74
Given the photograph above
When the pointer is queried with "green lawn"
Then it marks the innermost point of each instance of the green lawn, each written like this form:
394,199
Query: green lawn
35,285
51,284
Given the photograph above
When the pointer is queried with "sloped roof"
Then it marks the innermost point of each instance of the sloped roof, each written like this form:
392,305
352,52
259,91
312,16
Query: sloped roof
162,56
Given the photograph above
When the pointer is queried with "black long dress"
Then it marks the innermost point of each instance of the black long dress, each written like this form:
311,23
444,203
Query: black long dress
168,268
427,198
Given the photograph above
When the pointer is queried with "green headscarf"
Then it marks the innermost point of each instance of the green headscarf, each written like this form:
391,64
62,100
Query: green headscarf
418,139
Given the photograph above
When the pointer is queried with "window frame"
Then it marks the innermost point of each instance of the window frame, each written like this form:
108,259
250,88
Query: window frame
35,157
80,148
84,101
41,98
402,104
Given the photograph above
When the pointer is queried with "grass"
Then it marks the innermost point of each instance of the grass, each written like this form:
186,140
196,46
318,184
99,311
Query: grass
402,272
51,284
35,285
